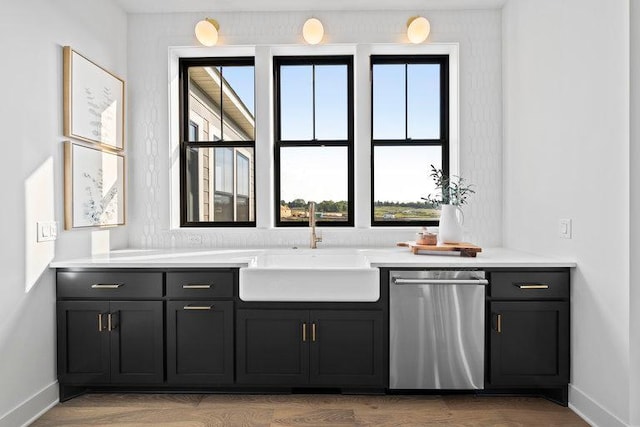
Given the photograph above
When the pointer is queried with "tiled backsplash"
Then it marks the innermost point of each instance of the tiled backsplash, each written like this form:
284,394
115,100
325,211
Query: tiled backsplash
478,34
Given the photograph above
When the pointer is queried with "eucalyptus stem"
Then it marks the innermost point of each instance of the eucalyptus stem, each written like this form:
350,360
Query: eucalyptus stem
452,190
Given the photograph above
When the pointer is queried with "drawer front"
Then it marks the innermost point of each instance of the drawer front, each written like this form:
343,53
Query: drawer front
530,285
109,284
200,284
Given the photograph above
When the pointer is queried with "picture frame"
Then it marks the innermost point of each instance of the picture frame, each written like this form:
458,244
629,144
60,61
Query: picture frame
94,99
94,187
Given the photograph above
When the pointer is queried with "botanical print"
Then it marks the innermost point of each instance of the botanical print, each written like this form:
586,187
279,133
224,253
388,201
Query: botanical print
97,103
99,209
98,187
103,114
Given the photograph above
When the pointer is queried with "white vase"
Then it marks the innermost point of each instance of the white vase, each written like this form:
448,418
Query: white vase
450,229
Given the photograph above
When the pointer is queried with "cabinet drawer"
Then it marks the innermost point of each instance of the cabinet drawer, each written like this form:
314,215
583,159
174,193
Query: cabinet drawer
530,285
109,284
200,284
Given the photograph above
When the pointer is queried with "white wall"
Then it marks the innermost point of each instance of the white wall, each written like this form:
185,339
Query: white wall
32,34
150,36
634,306
566,148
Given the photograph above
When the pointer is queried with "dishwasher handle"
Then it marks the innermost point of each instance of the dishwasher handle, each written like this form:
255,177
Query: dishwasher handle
401,281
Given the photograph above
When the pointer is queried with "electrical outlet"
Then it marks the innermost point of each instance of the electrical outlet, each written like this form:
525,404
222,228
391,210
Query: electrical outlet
564,228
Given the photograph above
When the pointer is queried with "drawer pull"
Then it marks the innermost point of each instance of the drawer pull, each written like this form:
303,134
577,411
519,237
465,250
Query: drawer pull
525,286
107,285
197,307
194,286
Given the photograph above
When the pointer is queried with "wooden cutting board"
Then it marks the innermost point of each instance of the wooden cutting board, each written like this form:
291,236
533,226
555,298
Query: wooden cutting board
465,249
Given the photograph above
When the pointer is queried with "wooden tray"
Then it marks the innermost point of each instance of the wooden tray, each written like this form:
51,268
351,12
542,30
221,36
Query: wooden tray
465,249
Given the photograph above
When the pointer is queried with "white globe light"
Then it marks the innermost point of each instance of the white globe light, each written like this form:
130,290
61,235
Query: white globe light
313,31
418,29
207,32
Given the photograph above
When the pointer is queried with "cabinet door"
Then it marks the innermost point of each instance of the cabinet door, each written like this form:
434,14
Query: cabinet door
273,347
137,342
200,342
529,343
83,342
347,348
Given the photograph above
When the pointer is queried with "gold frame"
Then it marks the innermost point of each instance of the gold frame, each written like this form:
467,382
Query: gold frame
68,80
68,186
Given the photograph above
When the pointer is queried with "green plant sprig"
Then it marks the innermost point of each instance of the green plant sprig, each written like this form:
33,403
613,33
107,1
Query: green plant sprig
453,190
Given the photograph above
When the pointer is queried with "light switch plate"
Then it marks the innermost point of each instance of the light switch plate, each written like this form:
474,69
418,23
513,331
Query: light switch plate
47,231
564,228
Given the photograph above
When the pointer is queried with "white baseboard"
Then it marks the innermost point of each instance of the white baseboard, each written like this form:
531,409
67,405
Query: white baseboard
32,408
591,411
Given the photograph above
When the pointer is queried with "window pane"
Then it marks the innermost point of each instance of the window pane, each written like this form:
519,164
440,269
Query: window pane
389,118
193,131
242,208
210,194
204,102
316,174
224,169
423,101
331,102
401,178
296,102
242,175
238,103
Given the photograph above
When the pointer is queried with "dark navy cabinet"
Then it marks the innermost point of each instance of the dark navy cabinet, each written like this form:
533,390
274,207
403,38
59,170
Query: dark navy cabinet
528,331
110,342
338,348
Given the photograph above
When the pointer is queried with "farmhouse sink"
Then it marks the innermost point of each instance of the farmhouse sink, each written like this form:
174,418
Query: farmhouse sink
312,275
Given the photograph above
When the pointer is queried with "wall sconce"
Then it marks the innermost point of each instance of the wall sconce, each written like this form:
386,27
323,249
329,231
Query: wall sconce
313,31
418,28
207,31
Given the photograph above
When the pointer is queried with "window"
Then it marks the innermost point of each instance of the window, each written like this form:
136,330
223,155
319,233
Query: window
314,139
217,142
410,132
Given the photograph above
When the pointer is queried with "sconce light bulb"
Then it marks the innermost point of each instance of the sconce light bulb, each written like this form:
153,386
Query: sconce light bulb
418,29
207,32
313,31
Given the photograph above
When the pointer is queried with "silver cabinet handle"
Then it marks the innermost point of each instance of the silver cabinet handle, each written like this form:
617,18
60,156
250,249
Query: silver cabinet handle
532,286
99,322
197,307
107,285
399,281
109,324
195,286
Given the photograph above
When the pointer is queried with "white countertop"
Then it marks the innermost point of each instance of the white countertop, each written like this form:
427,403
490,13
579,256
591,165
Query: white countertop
378,257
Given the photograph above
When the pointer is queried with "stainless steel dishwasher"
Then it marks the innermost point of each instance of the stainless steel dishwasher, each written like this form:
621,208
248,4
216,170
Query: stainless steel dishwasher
437,329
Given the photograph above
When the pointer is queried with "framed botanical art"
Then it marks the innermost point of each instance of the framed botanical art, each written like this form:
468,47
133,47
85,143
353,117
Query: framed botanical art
93,102
94,184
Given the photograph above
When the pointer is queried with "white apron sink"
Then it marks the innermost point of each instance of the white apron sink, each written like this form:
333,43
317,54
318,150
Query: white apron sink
311,275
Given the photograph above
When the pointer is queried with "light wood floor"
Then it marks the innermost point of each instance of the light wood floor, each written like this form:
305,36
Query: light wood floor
195,410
